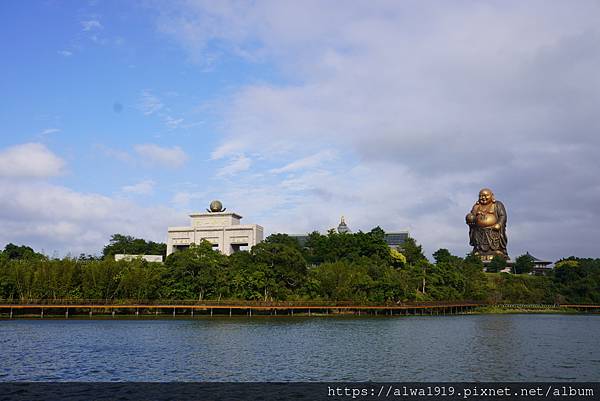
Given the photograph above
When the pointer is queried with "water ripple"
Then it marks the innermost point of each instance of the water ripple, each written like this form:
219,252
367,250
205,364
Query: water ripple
443,348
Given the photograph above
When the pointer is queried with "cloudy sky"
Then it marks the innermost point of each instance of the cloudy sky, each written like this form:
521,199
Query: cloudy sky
123,117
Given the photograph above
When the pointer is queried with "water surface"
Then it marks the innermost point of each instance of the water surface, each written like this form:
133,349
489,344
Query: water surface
441,348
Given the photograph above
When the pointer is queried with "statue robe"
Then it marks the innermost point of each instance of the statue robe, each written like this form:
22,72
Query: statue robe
486,240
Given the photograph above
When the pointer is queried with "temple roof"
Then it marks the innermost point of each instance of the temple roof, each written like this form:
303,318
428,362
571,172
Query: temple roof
343,227
536,260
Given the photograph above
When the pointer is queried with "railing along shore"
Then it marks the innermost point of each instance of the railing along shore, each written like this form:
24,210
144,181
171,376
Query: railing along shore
194,308
226,303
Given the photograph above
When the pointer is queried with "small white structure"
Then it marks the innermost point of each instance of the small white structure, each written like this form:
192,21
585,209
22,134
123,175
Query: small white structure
222,229
147,258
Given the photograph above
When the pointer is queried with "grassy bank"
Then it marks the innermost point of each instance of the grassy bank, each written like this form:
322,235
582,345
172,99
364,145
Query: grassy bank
530,309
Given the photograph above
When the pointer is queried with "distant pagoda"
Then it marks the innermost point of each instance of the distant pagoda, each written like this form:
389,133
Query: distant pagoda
343,228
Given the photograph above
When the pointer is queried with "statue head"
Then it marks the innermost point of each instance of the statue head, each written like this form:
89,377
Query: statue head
486,196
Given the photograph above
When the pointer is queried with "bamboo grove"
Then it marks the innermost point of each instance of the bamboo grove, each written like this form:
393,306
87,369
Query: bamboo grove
357,267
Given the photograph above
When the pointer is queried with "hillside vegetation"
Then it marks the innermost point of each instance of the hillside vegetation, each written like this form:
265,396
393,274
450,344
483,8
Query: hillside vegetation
356,267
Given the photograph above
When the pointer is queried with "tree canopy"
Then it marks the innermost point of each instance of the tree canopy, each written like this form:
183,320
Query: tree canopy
524,264
497,264
126,244
15,252
356,267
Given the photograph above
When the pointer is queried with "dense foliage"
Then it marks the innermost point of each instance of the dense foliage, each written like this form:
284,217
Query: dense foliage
356,267
524,264
126,244
578,280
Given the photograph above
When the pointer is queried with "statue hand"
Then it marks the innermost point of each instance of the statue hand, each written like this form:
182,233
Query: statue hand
470,219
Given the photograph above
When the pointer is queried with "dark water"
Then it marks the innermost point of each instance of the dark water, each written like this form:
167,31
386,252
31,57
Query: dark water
450,348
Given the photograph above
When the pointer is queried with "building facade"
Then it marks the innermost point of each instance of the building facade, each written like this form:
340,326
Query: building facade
222,229
147,258
540,267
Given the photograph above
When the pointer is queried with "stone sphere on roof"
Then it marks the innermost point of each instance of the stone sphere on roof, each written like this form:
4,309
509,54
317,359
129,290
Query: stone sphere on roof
216,206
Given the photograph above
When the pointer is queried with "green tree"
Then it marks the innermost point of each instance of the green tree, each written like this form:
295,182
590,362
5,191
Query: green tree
445,282
475,261
286,263
475,279
315,249
443,255
194,272
101,280
336,246
12,251
498,263
578,280
250,280
141,280
398,259
413,251
22,277
511,288
342,280
447,276
421,270
524,264
126,244
373,245
283,239
340,246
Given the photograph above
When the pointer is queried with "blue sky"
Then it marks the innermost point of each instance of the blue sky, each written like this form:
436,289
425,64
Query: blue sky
126,116
91,81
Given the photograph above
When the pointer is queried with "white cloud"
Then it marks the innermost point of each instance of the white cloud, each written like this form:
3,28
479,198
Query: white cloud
98,40
169,157
54,218
182,199
117,154
32,160
91,25
65,53
173,123
431,102
306,162
227,149
48,131
149,103
145,187
236,165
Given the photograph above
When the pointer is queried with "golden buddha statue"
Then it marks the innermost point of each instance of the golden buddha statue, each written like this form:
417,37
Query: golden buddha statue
487,226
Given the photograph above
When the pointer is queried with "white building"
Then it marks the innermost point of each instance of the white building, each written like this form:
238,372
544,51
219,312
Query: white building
147,258
222,229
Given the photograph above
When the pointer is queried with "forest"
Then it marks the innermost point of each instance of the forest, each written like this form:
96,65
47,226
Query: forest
358,268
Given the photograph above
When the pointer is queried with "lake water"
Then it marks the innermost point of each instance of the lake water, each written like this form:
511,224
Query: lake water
440,348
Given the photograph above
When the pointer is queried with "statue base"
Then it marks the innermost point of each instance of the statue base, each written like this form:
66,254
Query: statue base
488,257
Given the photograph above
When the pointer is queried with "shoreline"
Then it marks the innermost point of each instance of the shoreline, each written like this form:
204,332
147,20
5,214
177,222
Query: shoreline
487,310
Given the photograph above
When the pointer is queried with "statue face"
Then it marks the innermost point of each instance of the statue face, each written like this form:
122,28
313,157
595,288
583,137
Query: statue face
485,196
